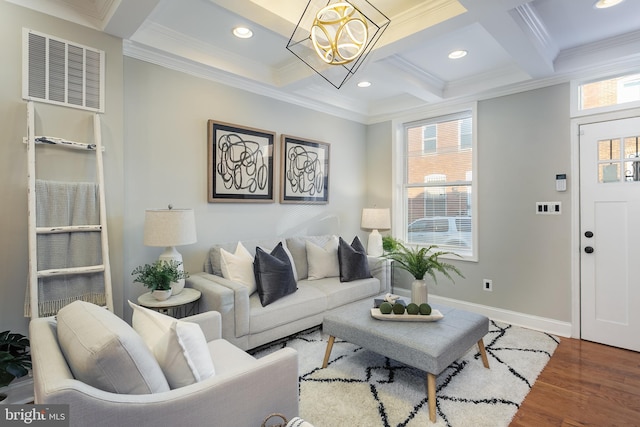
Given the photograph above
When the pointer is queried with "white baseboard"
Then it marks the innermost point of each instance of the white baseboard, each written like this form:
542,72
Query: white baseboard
551,326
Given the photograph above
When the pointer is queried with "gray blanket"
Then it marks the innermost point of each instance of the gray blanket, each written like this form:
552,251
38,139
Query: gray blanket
63,204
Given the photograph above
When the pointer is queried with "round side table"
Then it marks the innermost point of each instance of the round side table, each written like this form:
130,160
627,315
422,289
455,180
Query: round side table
184,304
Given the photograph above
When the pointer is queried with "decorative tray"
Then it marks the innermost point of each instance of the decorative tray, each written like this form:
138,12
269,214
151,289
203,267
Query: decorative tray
433,317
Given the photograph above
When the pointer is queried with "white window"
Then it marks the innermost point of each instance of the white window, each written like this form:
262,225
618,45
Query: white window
603,95
429,139
465,135
438,186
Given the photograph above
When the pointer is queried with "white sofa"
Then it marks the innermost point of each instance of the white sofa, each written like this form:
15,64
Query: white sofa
89,340
247,324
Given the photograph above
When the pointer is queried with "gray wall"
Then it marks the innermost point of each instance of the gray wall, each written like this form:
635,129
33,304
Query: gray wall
155,132
64,122
523,142
166,162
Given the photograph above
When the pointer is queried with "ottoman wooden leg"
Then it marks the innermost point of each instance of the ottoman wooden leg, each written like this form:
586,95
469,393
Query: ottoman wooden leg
431,394
483,353
327,353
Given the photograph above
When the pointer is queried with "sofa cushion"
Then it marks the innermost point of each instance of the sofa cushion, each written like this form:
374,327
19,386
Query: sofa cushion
298,249
238,266
103,351
305,302
353,260
340,293
274,274
323,261
212,263
179,347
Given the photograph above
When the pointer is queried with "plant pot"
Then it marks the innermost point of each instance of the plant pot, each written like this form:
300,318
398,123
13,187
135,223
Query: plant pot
6,379
177,287
161,295
419,292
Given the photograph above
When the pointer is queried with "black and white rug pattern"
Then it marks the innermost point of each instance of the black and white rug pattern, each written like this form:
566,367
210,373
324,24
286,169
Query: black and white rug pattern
362,388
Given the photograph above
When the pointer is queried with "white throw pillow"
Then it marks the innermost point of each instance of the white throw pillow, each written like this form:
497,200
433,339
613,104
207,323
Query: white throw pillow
238,267
179,347
323,261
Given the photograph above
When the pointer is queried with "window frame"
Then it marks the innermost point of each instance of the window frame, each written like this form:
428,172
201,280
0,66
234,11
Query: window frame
399,156
460,135
575,90
434,150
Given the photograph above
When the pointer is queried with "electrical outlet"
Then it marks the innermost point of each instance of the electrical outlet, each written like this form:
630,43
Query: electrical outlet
548,208
487,285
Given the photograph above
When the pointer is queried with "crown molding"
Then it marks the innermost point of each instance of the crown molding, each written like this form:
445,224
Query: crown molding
625,46
604,70
92,14
528,20
198,69
163,38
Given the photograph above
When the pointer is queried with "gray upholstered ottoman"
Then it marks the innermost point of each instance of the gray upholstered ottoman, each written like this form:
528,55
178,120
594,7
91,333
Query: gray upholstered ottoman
429,346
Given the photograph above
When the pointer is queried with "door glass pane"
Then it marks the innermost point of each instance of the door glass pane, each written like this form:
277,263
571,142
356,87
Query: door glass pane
609,172
632,151
632,171
631,146
609,149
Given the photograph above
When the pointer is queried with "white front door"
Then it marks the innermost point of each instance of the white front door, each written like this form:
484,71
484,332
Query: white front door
610,232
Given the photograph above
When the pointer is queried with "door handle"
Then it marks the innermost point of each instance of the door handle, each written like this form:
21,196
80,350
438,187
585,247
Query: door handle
588,250
588,234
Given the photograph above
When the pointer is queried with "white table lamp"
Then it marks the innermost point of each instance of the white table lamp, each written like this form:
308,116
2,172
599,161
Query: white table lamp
169,228
374,220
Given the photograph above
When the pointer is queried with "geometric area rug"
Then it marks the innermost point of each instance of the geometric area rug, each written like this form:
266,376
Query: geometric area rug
362,388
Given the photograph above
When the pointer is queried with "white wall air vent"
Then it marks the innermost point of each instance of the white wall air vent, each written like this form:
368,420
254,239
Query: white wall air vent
60,72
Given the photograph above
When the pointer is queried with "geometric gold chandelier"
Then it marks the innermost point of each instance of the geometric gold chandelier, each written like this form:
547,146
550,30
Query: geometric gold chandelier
339,33
334,38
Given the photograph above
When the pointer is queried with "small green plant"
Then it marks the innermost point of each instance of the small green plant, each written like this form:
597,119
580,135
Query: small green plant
420,261
159,275
15,358
389,244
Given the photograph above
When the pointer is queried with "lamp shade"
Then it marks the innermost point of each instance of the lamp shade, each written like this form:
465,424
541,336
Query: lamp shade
169,227
376,219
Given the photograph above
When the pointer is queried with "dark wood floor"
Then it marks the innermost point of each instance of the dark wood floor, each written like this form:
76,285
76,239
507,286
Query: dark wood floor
584,384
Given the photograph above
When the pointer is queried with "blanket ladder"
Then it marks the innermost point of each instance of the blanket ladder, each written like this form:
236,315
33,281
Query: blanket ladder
34,230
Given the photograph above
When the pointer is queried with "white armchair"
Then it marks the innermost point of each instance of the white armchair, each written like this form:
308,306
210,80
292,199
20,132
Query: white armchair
243,391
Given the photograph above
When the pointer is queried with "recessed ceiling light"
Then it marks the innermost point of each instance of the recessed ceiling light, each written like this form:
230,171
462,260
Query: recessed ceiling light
364,84
603,4
457,54
242,32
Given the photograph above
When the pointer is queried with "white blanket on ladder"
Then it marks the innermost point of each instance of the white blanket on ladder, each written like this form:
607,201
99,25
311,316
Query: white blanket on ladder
63,204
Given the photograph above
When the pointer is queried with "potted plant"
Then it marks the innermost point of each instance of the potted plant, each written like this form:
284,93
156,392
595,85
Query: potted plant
15,358
419,261
159,276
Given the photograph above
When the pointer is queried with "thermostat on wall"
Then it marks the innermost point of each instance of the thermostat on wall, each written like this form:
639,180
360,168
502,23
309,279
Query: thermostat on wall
561,182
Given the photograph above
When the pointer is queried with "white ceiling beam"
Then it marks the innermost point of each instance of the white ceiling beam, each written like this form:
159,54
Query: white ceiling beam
413,80
620,49
128,16
519,31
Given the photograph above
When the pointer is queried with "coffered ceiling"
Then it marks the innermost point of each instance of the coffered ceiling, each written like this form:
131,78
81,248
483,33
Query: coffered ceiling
512,45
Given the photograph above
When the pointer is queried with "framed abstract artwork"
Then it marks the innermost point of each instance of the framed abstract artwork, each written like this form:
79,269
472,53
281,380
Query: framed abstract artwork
240,163
304,171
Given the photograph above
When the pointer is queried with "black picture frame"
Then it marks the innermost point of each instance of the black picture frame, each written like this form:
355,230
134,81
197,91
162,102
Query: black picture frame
240,163
304,174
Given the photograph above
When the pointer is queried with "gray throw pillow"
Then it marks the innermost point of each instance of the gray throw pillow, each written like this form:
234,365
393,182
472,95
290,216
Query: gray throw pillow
103,351
274,275
353,260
